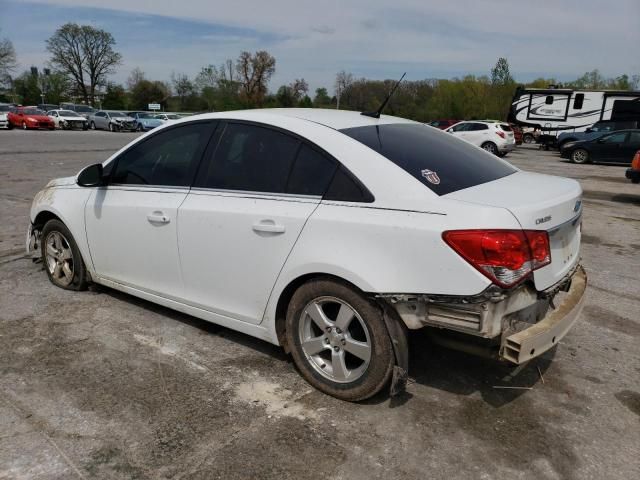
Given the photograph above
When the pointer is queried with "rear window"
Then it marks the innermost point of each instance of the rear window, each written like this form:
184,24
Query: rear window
504,127
440,162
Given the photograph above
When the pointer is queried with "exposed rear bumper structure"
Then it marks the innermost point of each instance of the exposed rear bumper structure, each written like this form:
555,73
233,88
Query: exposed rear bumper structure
514,326
540,337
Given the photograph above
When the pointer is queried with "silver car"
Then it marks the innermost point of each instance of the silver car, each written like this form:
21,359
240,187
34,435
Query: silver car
112,121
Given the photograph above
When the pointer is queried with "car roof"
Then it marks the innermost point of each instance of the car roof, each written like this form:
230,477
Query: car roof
335,119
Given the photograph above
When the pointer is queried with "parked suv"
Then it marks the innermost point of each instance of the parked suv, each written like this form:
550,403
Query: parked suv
597,130
494,137
112,121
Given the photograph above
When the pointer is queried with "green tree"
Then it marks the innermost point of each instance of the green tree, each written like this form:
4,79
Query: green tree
284,97
500,73
147,92
115,97
27,88
305,102
321,99
86,54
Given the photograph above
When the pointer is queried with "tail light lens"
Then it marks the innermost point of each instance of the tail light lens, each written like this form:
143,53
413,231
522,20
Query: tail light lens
501,133
635,163
506,257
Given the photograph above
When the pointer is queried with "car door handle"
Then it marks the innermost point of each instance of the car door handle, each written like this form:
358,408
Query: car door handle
268,226
158,217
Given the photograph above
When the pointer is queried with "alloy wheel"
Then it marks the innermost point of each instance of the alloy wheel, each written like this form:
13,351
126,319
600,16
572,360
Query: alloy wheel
580,156
490,147
335,340
59,259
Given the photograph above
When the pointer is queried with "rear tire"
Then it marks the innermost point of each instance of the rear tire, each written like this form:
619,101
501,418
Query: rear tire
490,147
338,340
61,257
580,155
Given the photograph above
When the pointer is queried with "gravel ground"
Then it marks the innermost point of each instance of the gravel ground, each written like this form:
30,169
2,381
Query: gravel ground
102,385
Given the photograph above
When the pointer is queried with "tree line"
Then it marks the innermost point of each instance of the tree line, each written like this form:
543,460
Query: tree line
83,57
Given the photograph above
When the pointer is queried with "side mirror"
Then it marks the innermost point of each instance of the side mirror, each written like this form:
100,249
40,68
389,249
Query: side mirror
449,130
91,176
589,130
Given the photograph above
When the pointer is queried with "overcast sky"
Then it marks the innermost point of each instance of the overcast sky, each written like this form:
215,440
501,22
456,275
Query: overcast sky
371,38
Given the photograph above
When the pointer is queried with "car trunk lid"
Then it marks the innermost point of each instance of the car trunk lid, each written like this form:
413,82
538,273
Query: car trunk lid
538,202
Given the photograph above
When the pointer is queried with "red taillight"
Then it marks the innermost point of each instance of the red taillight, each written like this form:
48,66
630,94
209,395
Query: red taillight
506,257
501,133
635,163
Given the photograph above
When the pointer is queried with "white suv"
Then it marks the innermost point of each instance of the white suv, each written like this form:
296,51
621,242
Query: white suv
494,137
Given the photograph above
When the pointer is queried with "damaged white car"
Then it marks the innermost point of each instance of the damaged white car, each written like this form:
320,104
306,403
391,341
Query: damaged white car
330,233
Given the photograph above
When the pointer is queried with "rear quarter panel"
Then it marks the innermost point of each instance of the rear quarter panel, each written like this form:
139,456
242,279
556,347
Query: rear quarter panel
389,251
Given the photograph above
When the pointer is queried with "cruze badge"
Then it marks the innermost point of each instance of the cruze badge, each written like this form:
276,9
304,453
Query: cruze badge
431,176
577,206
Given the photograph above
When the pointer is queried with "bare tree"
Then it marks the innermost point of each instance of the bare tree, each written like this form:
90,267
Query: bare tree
7,59
182,85
255,71
135,77
208,77
343,82
86,54
299,88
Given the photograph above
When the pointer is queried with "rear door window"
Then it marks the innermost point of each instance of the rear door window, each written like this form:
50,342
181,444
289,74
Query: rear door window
251,158
440,162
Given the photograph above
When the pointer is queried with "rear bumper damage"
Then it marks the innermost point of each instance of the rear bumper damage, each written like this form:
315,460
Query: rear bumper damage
540,337
512,325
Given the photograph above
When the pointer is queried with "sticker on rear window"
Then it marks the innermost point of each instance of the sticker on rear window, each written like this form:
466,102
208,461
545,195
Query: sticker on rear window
431,176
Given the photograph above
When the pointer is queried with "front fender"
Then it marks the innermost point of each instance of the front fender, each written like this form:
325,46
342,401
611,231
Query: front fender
68,205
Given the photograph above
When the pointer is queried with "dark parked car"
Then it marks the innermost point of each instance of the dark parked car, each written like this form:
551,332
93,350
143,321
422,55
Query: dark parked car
633,173
596,131
615,147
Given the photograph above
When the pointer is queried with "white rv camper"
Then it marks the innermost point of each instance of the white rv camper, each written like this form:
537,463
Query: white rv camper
555,110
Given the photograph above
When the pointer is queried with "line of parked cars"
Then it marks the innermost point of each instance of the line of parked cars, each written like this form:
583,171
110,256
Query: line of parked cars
70,116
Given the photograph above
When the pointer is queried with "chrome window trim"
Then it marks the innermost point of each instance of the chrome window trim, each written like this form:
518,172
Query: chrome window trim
254,194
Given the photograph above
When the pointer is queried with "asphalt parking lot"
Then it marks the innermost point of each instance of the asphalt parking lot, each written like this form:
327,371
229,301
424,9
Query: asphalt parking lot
98,384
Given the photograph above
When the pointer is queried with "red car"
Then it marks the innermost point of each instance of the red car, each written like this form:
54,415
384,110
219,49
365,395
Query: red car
29,117
517,133
443,124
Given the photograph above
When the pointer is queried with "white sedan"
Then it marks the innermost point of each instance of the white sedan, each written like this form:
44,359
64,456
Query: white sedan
68,119
330,233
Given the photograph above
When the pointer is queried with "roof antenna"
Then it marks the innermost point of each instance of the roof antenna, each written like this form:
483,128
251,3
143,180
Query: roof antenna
377,113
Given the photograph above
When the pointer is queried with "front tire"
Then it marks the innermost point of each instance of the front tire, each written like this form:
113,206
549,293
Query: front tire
338,340
490,147
580,155
93,126
528,138
24,125
61,257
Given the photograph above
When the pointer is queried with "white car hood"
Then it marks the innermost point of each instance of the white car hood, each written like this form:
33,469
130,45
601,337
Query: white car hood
61,182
